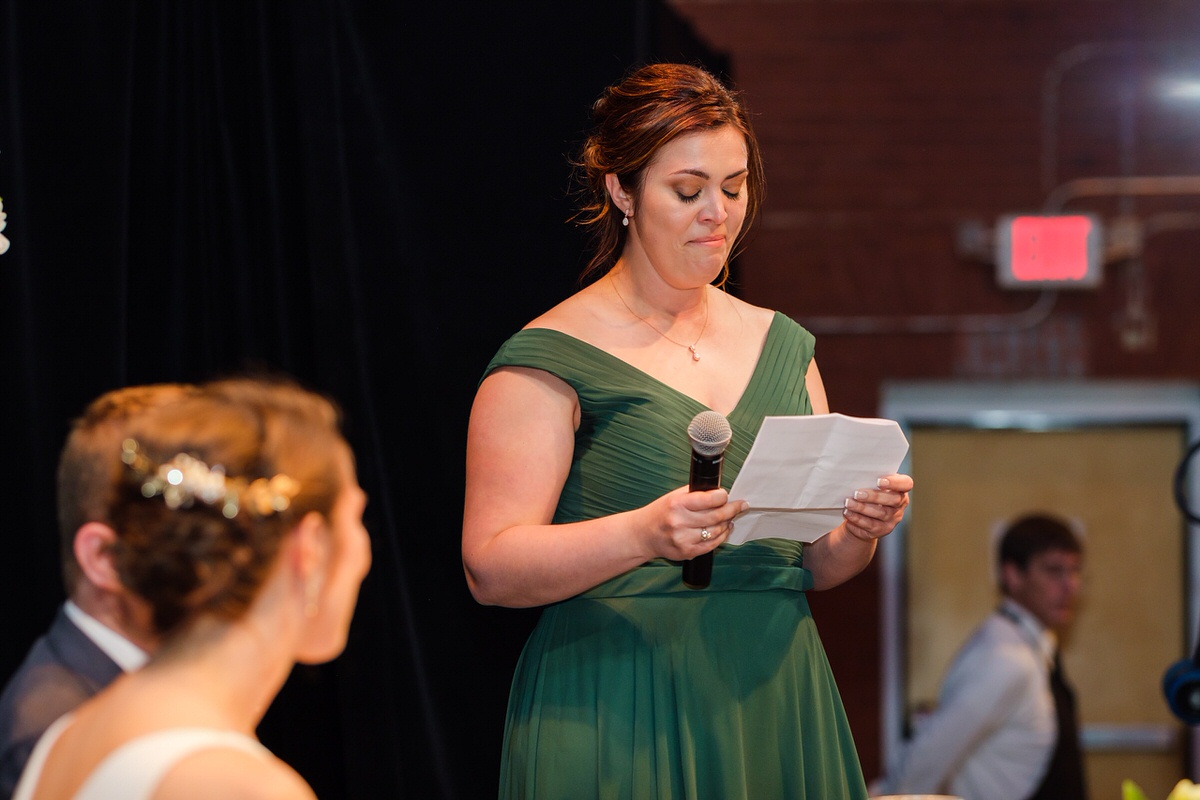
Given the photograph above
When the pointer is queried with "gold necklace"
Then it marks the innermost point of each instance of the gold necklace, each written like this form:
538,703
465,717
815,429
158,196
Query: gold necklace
692,346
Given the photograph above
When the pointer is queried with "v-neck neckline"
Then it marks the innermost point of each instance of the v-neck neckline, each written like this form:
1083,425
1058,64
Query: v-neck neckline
742,398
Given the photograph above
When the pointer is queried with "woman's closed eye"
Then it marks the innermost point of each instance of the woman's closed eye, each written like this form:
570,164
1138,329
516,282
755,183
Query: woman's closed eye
691,198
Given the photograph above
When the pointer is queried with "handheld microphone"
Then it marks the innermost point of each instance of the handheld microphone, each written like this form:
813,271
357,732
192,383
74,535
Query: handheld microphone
710,434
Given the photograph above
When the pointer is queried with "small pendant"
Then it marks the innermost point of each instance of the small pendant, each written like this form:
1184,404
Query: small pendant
695,355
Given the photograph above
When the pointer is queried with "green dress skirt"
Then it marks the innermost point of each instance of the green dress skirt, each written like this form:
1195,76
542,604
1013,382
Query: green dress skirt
640,687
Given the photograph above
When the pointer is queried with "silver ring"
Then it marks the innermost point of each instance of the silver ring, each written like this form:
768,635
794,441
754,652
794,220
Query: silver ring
705,535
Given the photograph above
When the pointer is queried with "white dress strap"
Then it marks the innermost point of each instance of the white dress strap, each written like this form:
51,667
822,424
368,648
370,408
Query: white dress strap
37,758
135,769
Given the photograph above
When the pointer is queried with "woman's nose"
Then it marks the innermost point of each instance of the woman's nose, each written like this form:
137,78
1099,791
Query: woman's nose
714,208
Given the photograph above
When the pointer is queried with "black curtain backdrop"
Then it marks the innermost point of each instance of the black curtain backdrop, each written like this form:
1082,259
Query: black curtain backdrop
368,196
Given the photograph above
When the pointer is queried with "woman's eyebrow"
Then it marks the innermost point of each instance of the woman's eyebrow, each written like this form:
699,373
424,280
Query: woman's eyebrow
699,173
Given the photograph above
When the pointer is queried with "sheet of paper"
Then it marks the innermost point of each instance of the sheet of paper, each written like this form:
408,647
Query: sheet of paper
801,470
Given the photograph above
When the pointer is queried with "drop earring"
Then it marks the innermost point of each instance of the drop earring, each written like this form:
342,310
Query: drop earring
625,221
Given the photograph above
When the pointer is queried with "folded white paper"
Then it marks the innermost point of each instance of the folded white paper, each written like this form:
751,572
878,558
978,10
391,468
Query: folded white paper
801,470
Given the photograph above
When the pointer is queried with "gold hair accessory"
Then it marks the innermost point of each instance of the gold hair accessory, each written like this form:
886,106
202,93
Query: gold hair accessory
185,479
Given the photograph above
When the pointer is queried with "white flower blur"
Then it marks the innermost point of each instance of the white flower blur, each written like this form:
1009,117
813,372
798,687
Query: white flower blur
4,243
1185,790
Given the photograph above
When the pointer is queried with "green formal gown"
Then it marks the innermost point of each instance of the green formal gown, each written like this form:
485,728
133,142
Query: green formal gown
642,688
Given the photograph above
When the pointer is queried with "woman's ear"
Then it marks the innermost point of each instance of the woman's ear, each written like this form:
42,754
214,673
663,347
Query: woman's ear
93,552
310,551
621,198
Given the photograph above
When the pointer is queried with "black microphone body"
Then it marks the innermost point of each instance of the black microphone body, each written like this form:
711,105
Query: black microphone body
710,434
705,475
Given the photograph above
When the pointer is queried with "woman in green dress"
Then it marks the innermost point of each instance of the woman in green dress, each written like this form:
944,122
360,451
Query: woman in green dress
633,685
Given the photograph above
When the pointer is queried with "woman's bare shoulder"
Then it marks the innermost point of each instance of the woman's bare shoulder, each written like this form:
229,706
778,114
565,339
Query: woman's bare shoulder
757,314
579,315
747,317
227,772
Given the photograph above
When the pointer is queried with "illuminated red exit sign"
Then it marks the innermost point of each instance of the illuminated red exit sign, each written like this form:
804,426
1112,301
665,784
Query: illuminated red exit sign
1043,251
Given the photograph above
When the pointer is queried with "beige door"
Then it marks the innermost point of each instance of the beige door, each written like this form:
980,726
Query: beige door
1116,482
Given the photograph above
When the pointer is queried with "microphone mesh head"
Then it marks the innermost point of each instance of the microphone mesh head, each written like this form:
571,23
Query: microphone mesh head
710,433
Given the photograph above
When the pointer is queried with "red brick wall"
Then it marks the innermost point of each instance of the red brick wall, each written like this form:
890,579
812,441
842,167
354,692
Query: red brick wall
887,123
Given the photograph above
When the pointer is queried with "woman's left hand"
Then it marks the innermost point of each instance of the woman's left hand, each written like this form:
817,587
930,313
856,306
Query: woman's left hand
873,513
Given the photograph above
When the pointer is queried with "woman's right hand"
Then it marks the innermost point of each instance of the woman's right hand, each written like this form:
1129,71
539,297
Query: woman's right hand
674,525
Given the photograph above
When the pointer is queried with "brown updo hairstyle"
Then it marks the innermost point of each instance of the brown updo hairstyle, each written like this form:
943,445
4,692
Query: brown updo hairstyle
192,561
90,469
632,121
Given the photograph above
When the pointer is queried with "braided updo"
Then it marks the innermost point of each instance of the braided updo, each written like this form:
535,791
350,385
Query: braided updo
195,559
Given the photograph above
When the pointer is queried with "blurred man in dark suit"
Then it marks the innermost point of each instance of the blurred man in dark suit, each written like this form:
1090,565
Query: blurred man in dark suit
101,629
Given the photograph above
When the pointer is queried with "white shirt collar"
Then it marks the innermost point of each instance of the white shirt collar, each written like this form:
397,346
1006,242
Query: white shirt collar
1041,637
125,653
